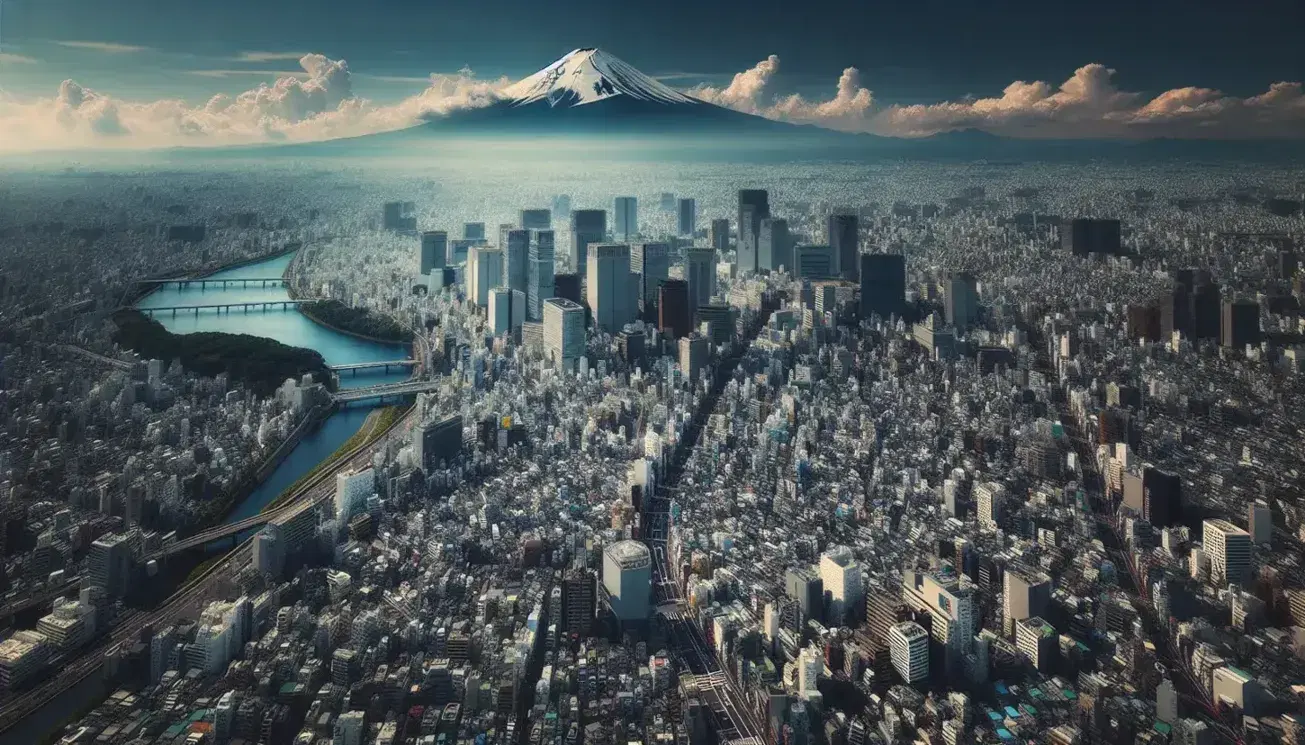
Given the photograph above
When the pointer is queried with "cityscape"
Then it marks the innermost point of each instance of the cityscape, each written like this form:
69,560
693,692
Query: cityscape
333,444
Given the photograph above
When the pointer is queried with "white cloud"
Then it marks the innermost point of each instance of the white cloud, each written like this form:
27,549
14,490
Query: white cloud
9,58
1087,104
103,46
267,56
317,104
247,73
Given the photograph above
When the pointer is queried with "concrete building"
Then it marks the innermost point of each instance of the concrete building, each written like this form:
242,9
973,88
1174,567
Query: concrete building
843,234
542,265
587,226
814,262
952,606
109,565
564,332
269,550
673,312
988,498
908,645
719,235
434,250
700,273
1037,640
961,301
608,286
754,206
687,217
1025,594
883,285
516,264
627,576
625,212
351,493
1260,520
22,656
774,245
844,583
1229,550
507,310
651,262
536,219
437,440
484,272
694,355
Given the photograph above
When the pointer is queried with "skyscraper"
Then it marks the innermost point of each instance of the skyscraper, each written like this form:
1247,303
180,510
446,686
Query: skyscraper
626,218
961,302
693,355
484,272
437,440
883,284
700,273
541,273
814,262
845,240
908,643
1229,549
754,206
506,310
564,332
608,284
109,564
652,263
516,252
673,312
804,586
1241,324
434,250
719,236
951,606
627,576
1025,594
844,582
988,496
587,226
473,231
1085,236
688,217
579,601
774,245
536,219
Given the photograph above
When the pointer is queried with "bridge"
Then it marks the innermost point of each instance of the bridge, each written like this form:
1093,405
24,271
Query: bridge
406,388
204,283
355,367
215,534
219,307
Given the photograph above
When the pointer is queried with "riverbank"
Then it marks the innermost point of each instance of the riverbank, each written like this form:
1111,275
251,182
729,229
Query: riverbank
136,293
313,312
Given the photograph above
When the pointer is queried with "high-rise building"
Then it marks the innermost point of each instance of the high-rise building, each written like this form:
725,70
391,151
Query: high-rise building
562,204
774,245
564,332
883,285
814,262
607,286
1085,236
693,355
541,273
484,272
1162,497
961,301
810,665
109,564
398,216
516,254
579,601
627,576
908,644
687,210
587,226
507,310
434,250
437,440
269,550
568,285
473,231
1229,549
719,235
1260,520
844,582
652,263
951,606
1025,594
351,493
845,241
1038,641
700,273
988,497
536,219
1241,324
754,206
804,585
673,312
625,217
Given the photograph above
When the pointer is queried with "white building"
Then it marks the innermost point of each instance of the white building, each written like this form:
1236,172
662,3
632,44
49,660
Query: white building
21,656
908,645
564,332
952,606
627,575
694,354
810,665
351,493
1229,550
842,579
989,497
484,272
507,310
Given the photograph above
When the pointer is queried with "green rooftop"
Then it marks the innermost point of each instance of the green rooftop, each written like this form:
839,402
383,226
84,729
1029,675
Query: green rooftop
1162,728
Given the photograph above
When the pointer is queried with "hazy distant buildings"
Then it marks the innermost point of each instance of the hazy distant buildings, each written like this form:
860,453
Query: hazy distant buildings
398,216
473,231
754,206
719,235
814,262
883,284
625,216
961,301
434,250
1084,236
564,332
535,219
608,286
700,273
845,241
516,253
774,245
507,310
587,226
687,217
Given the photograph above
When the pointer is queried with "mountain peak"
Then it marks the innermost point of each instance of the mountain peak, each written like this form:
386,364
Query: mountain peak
588,75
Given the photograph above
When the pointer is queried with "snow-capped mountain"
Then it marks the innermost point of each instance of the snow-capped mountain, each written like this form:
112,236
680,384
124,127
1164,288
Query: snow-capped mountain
587,76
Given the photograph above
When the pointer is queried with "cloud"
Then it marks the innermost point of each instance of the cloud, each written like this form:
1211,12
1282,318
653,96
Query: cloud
267,56
246,73
103,46
1088,104
9,58
317,104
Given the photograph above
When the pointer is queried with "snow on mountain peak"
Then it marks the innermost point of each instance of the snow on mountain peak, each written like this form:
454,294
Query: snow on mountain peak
588,75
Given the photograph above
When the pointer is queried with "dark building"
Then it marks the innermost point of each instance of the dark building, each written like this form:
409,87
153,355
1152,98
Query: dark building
631,345
1162,497
1084,236
1241,324
719,236
434,250
587,226
186,233
568,286
1288,264
806,587
688,217
845,239
579,601
883,284
437,441
1144,321
536,219
1205,310
398,216
754,206
1176,311
473,231
673,312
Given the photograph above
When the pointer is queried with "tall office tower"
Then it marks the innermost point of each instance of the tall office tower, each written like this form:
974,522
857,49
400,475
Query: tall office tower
536,219
804,585
579,601
1241,324
269,550
625,218
719,235
988,497
842,577
1229,549
810,664
814,262
883,285
1162,497
1206,310
1260,519
587,226
109,564
437,440
569,286
774,245
845,240
516,269
673,312
459,249
688,217
541,273
652,262
473,231
351,493
908,643
1037,639
564,332
506,310
700,273
667,201
484,272
694,353
951,606
434,250
1024,594
754,206
962,300
607,286
1086,236
399,216
627,575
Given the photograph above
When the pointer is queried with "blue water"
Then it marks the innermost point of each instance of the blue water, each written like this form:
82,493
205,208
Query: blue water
288,327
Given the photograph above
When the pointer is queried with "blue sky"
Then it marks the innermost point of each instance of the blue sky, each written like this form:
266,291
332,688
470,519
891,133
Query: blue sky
924,50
